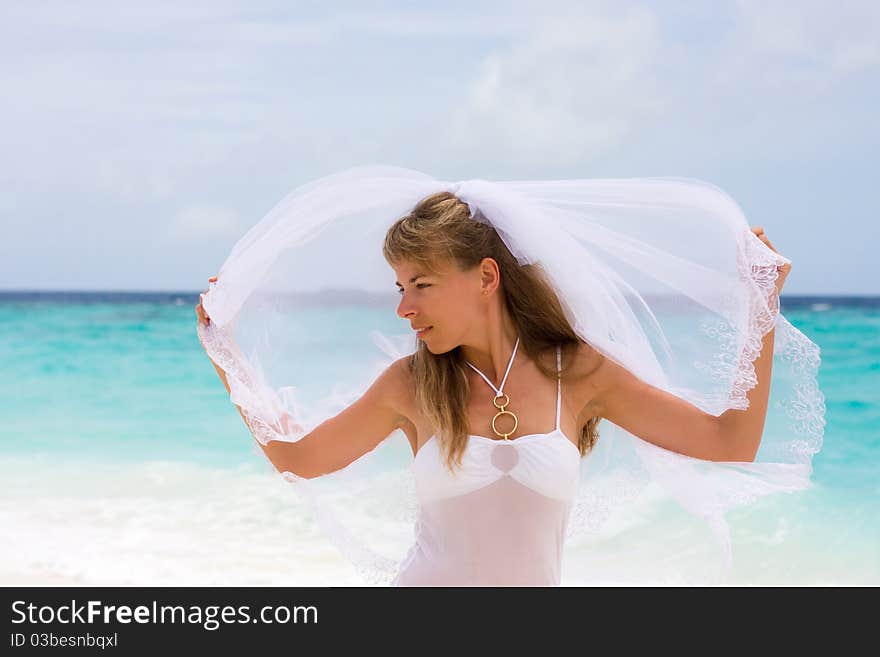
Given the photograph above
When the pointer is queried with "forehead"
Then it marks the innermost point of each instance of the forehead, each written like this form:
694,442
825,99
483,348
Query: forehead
407,271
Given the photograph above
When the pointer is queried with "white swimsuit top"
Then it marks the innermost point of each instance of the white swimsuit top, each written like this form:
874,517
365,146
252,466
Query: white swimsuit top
500,519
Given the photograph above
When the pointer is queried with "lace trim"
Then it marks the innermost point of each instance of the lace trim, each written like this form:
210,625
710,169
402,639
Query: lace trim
247,392
805,407
594,504
736,362
735,359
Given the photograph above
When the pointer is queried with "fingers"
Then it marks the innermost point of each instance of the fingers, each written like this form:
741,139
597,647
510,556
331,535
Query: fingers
761,235
200,312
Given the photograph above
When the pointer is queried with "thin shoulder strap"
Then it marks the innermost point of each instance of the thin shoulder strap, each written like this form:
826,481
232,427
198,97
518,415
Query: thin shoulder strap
558,385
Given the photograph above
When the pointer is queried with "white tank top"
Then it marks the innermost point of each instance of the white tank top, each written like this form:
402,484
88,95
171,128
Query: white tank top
500,520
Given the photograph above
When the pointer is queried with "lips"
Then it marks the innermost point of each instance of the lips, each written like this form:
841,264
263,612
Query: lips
421,332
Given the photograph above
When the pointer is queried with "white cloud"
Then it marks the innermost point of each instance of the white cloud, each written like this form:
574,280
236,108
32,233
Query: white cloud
807,48
597,78
573,87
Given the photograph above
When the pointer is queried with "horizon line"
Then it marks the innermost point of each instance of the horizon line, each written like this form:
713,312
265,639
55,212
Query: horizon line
347,290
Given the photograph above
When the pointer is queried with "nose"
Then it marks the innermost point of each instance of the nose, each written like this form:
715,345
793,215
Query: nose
405,309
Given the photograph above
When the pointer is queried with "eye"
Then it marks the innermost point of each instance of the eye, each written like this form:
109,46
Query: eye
418,285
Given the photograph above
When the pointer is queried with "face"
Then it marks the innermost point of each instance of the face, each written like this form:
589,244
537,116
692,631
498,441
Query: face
449,301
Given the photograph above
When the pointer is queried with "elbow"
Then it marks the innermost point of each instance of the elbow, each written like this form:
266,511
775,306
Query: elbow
750,453
286,469
737,449
292,476
281,454
739,435
746,456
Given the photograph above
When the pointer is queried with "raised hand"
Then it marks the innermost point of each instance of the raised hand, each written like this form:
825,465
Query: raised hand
200,311
782,269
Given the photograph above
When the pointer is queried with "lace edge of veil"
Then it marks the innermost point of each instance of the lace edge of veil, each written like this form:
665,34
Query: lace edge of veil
735,361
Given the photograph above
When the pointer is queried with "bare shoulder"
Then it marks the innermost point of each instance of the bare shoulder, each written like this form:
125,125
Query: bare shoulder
400,374
394,387
587,363
393,380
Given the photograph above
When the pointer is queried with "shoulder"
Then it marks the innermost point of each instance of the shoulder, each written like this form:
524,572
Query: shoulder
393,387
586,362
395,379
391,392
592,374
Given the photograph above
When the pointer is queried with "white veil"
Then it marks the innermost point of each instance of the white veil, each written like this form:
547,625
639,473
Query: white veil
662,275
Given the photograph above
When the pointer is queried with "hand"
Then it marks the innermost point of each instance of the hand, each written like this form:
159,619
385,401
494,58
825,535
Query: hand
782,269
200,311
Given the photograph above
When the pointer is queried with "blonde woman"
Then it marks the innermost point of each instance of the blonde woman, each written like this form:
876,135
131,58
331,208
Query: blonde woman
500,402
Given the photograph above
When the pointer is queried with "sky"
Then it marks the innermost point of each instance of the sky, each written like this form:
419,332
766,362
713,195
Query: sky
141,140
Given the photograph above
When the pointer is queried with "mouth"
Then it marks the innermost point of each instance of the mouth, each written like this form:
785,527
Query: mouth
420,334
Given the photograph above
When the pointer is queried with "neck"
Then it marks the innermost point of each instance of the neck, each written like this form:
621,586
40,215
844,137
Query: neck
491,349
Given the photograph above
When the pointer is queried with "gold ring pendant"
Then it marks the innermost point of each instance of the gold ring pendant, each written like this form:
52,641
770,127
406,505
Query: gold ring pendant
503,412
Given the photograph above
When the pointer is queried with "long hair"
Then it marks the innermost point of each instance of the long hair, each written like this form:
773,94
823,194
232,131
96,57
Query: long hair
440,228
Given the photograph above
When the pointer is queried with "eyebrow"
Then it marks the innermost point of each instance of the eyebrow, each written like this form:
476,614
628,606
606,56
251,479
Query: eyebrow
412,280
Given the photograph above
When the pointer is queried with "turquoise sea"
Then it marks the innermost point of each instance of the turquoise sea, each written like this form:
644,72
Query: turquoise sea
124,463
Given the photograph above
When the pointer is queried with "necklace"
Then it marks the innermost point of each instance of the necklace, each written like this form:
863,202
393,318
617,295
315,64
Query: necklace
499,394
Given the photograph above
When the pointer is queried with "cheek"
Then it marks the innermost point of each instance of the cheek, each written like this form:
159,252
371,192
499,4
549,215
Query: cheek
458,306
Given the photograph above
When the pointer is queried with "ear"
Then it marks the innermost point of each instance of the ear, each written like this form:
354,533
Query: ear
490,276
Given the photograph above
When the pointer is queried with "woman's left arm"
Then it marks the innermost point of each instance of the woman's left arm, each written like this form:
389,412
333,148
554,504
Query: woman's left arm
743,429
675,424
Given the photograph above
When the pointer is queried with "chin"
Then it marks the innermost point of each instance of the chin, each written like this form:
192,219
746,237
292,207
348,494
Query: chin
438,349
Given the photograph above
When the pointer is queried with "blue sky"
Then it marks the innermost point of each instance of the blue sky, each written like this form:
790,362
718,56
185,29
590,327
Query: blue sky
141,140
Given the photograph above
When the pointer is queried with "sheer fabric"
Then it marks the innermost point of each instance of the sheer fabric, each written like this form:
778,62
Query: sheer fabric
661,275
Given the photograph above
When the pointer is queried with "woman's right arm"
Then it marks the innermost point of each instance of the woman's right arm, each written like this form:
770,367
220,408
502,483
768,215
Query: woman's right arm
348,435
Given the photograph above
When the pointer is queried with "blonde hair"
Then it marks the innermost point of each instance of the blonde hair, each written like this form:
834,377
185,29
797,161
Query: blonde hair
440,228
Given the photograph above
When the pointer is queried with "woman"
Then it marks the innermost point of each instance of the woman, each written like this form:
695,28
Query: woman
500,402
